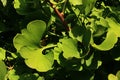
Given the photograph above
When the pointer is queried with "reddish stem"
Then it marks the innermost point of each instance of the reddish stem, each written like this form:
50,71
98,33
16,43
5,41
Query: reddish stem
61,16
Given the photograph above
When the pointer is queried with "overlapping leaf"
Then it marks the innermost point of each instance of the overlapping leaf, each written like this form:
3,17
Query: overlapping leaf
69,47
111,37
28,45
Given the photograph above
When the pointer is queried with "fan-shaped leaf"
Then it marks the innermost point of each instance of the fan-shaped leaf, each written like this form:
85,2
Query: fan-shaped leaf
31,36
28,44
108,43
36,60
69,47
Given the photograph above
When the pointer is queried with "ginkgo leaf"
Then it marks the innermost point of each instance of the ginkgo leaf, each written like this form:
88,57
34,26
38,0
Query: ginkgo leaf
28,45
3,70
30,36
118,74
2,54
4,2
114,25
76,2
108,43
36,60
112,77
69,47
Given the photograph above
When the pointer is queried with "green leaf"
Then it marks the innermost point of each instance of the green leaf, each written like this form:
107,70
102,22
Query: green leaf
76,2
89,61
28,44
12,75
31,36
69,47
4,2
86,38
77,32
41,78
36,60
112,77
25,7
114,25
2,54
108,43
89,4
57,2
16,4
118,75
3,70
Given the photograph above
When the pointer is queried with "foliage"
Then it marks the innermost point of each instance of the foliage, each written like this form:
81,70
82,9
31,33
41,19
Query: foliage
59,40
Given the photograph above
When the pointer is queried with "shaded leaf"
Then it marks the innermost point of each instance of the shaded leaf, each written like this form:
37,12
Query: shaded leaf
3,70
118,75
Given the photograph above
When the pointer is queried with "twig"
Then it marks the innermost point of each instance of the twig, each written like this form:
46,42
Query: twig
60,15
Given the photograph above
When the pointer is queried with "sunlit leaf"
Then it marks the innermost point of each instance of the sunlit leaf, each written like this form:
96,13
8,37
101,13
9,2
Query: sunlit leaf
28,44
76,2
36,60
12,75
112,77
40,78
2,54
57,2
69,47
4,2
108,43
31,36
16,4
114,25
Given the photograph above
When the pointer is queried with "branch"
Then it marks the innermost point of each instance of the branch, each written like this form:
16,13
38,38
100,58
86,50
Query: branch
60,15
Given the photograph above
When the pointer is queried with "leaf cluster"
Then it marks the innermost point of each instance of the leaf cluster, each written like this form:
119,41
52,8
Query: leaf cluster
59,40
